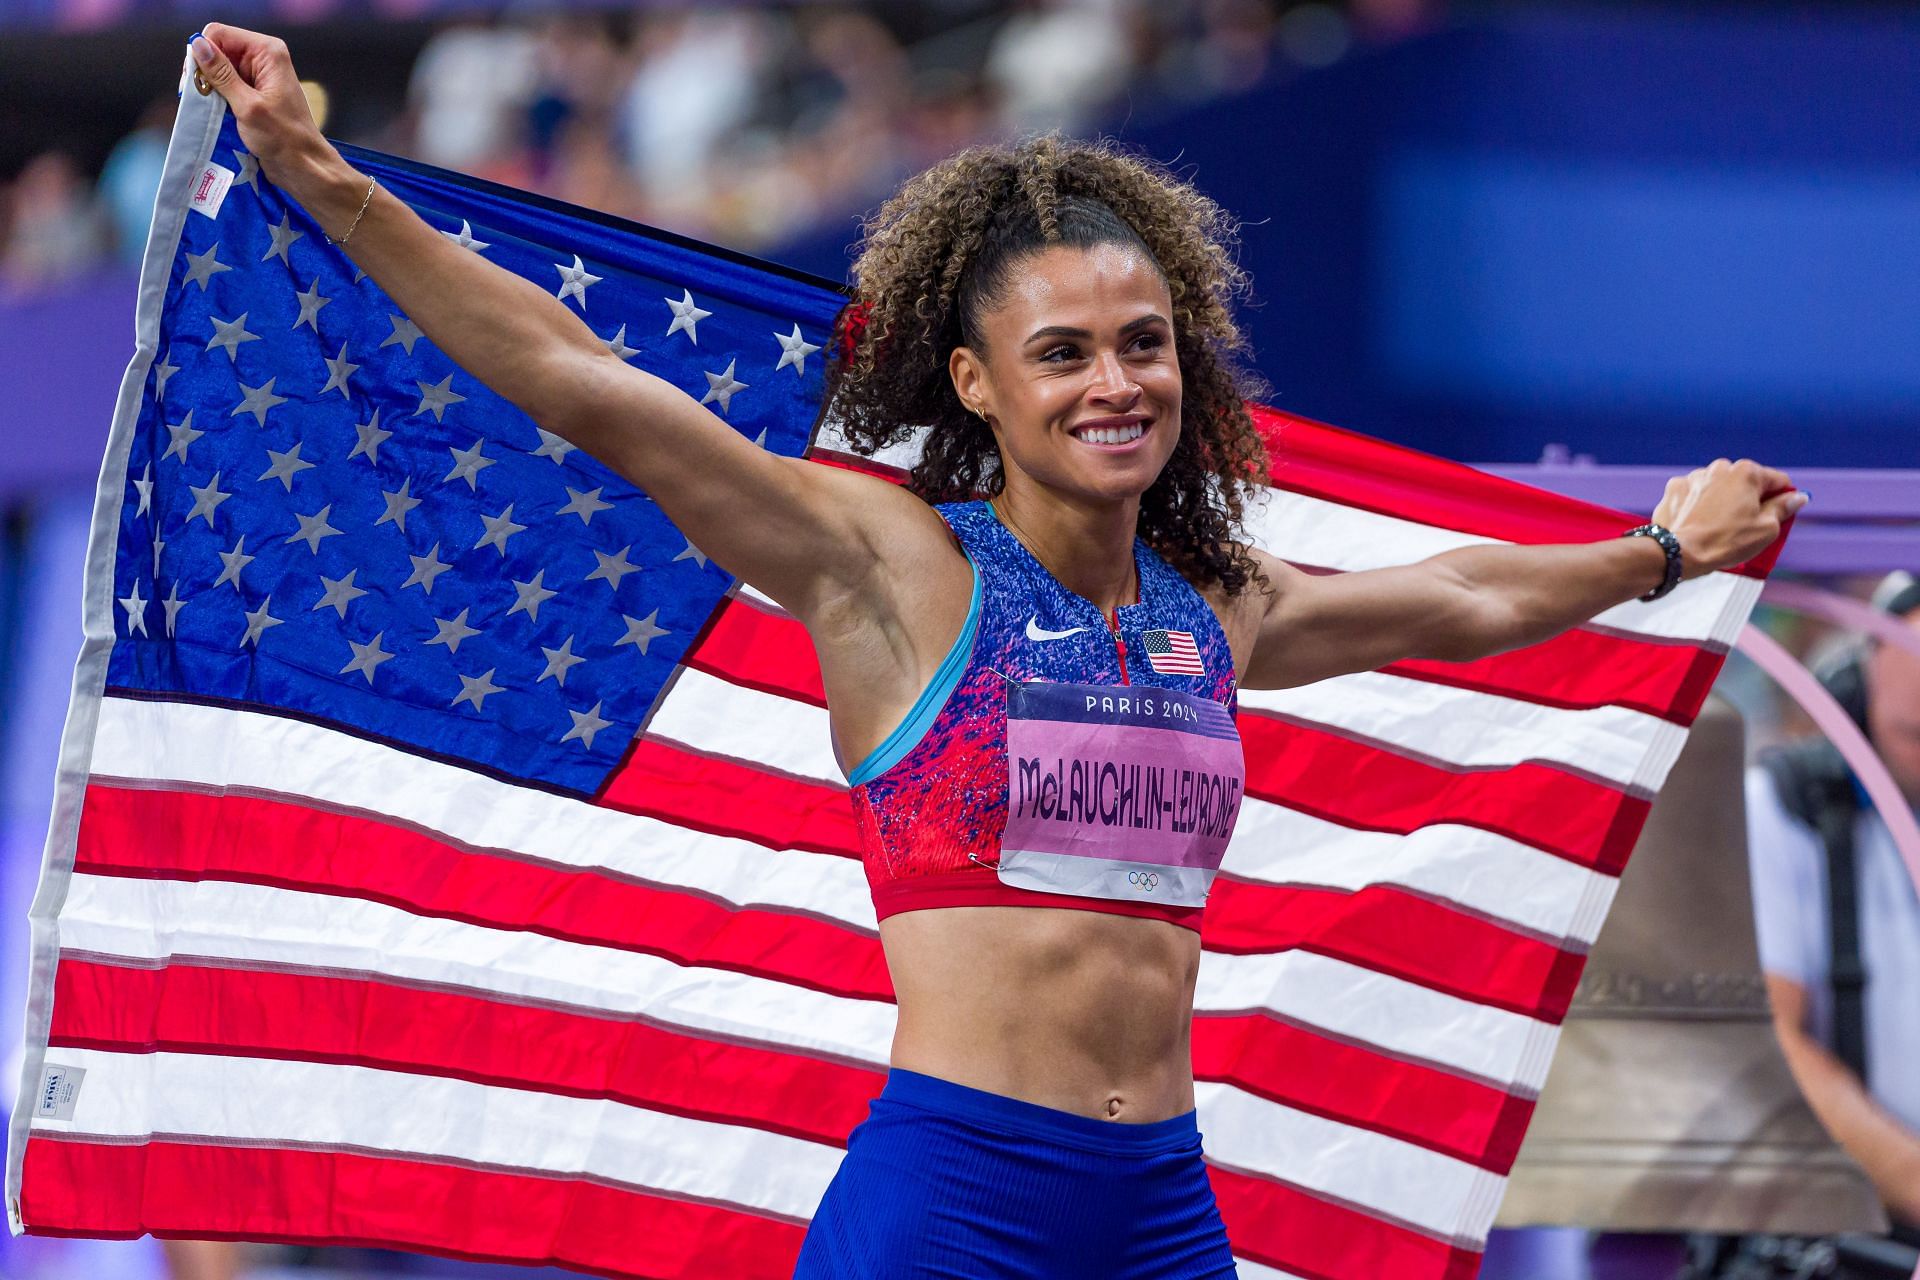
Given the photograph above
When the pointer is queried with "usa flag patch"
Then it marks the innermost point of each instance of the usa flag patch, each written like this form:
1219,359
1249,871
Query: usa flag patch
1172,653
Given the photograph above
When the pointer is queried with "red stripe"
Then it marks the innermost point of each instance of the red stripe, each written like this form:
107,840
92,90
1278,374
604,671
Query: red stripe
707,793
188,836
1368,788
81,1188
1282,1227
1392,931
1359,471
373,1022
1423,1105
759,649
378,1022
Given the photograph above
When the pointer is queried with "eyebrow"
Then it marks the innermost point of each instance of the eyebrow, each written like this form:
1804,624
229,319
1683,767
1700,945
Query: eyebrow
1066,331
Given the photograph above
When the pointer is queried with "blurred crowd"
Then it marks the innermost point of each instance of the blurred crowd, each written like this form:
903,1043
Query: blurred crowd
744,126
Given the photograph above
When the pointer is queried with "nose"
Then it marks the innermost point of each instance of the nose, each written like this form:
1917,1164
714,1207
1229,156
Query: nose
1111,382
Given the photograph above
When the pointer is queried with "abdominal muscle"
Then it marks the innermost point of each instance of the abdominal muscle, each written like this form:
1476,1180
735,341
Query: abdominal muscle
1083,1011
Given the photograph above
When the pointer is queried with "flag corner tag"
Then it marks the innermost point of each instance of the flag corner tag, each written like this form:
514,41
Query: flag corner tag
59,1091
210,189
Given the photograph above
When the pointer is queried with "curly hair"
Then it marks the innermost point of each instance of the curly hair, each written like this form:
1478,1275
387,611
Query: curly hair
935,258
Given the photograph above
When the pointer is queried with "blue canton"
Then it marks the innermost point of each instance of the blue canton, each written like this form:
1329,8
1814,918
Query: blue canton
326,517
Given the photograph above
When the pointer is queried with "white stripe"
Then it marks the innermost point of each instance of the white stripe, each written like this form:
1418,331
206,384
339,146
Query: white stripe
1457,727
1354,1003
1469,729
1488,874
269,1101
1328,535
226,749
1424,1189
154,919
1245,1269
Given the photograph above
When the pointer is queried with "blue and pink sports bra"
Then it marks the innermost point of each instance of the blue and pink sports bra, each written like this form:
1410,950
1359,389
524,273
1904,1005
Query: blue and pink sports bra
1059,757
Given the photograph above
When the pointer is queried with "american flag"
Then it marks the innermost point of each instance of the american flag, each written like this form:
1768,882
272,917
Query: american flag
448,856
1171,652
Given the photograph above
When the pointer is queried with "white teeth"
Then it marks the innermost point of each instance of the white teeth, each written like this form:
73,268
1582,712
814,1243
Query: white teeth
1114,435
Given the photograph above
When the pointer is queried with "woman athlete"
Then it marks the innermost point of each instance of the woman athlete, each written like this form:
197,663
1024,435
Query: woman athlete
1057,314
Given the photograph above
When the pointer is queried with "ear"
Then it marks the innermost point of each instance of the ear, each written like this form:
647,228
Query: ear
969,373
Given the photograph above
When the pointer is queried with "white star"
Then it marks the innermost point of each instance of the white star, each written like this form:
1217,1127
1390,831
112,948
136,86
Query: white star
144,486
366,656
405,332
202,267
310,304
136,611
234,560
286,465
464,238
477,689
794,351
760,441
371,437
685,316
551,446
467,464
313,528
613,567
230,334
283,237
721,386
206,500
172,604
694,554
339,593
618,345
438,396
499,529
257,401
585,726
257,623
339,369
531,595
575,280
451,631
249,170
641,632
161,372
426,568
157,545
560,661
182,434
584,505
399,502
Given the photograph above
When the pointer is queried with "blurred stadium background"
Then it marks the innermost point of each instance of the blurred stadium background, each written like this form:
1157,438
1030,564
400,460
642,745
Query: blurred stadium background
1568,240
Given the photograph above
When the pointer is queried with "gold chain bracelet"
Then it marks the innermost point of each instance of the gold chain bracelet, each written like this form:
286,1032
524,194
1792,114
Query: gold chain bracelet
371,184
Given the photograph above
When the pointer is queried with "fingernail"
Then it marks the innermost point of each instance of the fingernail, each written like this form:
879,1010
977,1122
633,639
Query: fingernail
201,48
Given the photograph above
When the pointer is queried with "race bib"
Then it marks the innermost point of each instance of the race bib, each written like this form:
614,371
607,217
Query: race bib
1118,791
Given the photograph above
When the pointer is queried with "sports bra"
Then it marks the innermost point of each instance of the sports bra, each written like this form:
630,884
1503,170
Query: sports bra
1058,758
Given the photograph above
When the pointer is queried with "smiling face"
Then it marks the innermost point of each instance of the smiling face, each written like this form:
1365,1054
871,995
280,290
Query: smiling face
1078,375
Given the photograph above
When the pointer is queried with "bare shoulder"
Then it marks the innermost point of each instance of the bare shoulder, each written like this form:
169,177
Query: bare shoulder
1241,614
908,555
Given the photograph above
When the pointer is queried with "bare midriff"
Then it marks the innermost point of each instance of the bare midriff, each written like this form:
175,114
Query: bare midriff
1083,1011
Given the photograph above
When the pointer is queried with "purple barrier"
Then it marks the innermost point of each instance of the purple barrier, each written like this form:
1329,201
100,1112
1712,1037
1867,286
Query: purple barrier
61,362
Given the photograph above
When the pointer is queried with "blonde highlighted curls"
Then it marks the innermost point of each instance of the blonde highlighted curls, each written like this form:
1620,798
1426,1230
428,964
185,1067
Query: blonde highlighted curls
930,261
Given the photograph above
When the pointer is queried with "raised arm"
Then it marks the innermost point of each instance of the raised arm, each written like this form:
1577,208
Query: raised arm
813,532
1476,601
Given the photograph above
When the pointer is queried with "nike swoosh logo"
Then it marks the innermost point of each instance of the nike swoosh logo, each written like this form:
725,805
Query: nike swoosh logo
1037,632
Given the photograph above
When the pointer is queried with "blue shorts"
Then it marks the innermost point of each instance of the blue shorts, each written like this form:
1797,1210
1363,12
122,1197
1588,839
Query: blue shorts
943,1181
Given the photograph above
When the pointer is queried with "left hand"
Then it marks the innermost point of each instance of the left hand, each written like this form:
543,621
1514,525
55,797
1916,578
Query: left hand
1726,513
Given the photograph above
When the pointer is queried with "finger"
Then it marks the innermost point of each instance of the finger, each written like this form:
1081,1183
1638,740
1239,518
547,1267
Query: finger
218,71
1772,479
1785,506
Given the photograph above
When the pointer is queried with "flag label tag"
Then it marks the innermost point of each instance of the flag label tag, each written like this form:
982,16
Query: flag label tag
59,1091
210,189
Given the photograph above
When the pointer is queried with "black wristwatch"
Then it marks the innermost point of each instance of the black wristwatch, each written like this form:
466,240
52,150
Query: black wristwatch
1669,544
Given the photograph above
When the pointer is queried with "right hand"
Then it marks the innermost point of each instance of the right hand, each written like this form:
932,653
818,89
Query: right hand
254,73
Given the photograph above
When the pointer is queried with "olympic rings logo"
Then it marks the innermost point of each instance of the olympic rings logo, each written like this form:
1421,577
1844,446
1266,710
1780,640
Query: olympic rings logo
1147,880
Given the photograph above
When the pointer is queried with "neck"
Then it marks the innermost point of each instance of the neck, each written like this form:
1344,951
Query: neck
1088,546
